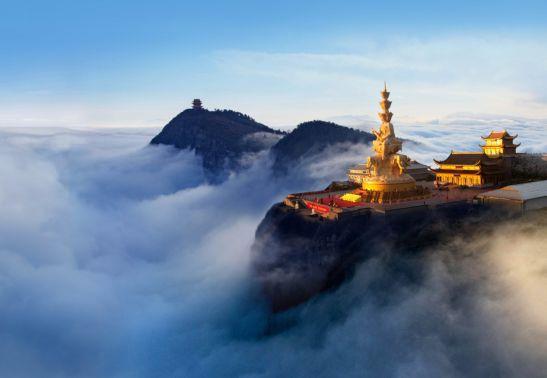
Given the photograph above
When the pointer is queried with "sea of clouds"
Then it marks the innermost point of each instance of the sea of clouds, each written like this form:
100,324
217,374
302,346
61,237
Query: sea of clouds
118,259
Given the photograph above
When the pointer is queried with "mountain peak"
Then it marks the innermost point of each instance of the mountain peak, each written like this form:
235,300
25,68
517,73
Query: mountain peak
313,137
219,137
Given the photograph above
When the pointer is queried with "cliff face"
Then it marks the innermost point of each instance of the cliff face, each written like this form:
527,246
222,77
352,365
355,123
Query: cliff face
296,257
219,137
311,138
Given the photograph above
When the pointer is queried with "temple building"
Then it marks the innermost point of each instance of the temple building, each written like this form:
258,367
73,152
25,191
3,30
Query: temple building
389,184
500,143
490,167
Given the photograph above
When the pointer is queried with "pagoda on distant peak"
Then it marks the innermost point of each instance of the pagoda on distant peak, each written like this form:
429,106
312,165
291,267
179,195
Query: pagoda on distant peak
196,104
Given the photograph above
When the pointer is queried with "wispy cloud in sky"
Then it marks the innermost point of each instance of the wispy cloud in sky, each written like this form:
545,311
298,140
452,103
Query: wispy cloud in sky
282,63
430,77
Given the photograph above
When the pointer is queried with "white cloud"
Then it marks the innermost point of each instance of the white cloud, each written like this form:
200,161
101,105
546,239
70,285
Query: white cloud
116,260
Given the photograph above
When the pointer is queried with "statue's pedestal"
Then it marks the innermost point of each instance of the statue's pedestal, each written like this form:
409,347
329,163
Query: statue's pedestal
401,183
389,189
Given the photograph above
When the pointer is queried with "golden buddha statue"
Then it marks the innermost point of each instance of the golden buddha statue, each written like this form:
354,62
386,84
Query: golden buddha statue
386,167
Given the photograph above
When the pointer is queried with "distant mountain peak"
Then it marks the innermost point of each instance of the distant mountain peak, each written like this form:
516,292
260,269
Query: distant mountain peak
310,138
219,137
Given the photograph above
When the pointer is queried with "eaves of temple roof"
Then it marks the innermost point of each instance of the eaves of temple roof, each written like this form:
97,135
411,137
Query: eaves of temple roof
499,134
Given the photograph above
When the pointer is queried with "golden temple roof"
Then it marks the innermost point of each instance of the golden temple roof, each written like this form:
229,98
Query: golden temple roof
467,158
499,134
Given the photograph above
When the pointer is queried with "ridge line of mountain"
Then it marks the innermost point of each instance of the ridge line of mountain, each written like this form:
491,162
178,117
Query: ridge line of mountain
222,137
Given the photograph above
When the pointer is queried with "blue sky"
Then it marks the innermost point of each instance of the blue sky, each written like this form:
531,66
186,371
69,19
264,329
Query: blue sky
135,63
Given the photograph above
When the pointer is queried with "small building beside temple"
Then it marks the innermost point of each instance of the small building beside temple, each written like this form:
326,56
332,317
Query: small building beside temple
418,171
490,167
357,173
522,197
